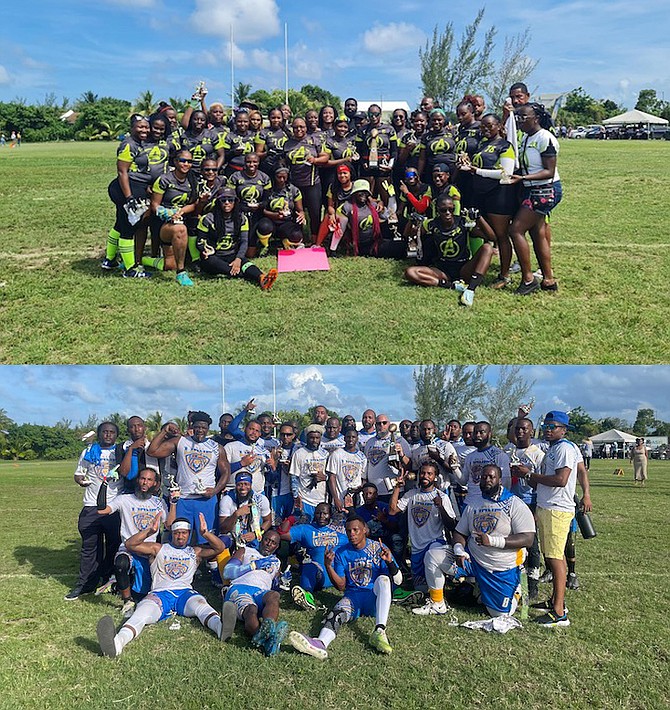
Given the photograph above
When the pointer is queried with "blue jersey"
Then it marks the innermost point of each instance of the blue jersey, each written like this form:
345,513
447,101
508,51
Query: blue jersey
376,528
360,568
315,539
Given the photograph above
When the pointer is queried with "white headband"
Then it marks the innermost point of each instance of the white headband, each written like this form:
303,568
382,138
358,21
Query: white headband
180,525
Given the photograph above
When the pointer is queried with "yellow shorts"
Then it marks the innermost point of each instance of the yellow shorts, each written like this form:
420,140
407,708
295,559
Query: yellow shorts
553,527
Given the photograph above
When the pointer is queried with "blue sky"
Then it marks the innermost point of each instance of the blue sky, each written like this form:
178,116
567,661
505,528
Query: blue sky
612,48
46,394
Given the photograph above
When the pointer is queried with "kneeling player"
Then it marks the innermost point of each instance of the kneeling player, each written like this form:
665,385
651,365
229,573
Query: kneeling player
251,598
363,570
173,566
450,257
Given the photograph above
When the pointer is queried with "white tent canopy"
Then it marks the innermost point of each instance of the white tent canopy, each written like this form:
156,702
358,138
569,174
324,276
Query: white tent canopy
635,116
613,436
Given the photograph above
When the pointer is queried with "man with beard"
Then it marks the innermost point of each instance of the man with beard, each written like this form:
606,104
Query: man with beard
315,537
489,542
137,512
429,514
367,431
319,417
363,570
198,460
249,455
485,453
308,472
244,513
251,599
173,566
346,471
436,450
377,451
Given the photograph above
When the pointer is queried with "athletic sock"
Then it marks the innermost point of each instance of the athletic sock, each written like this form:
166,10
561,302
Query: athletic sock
193,250
127,252
443,283
571,566
264,239
436,595
123,638
475,280
222,560
380,627
382,590
327,636
112,244
157,262
214,624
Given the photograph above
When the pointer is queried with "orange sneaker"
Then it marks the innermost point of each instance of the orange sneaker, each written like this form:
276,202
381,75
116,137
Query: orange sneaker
267,280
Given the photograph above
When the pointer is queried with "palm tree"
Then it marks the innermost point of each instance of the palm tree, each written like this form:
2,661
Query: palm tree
88,97
145,103
242,92
179,105
154,422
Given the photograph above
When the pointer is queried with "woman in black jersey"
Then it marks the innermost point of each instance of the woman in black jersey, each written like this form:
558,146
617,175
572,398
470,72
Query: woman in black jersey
200,141
238,143
327,120
174,198
437,146
222,242
209,186
313,130
284,216
255,121
270,142
467,139
400,123
409,148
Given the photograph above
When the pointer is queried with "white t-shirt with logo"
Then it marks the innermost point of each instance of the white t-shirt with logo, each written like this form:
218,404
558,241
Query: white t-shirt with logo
196,460
348,469
137,514
474,464
424,520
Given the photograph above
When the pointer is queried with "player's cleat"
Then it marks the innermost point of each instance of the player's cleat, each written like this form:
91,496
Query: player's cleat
525,289
73,594
263,252
467,298
460,286
402,596
572,581
547,605
137,272
228,620
274,642
302,598
267,280
430,608
215,578
379,640
285,580
308,645
547,577
183,279
105,587
108,264
551,619
128,608
265,631
501,282
106,633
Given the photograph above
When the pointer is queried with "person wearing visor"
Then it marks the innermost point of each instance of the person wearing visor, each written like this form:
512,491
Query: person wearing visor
555,483
173,566
222,240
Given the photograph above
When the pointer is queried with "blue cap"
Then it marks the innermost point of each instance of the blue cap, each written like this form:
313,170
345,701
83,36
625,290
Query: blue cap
558,417
243,476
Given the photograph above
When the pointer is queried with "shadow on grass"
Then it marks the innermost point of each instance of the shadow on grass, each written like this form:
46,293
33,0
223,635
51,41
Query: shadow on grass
48,562
88,644
90,267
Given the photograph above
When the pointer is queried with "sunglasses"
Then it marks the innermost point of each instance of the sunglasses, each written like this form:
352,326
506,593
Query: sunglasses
445,210
226,199
380,423
374,113
209,170
184,160
551,427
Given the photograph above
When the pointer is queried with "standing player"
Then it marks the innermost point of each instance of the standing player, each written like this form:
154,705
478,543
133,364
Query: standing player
173,567
363,570
250,455
485,454
308,473
378,450
346,471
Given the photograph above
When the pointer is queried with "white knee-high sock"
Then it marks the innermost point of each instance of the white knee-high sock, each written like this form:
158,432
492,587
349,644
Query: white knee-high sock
207,615
147,612
382,590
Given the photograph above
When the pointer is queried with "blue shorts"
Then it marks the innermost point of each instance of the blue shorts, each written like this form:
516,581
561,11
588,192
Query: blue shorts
172,601
497,588
308,510
190,508
313,577
416,558
357,603
244,595
282,506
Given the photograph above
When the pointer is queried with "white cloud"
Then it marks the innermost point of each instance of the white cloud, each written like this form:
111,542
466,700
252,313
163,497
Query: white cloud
252,20
145,378
4,75
394,37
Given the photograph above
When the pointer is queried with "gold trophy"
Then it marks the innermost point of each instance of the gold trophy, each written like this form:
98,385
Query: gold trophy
373,160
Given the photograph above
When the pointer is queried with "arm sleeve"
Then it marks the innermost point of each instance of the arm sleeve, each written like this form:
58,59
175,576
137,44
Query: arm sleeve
234,426
419,205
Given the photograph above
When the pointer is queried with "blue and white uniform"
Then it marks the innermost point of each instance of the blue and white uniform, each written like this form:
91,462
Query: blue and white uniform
237,450
172,572
313,576
473,466
251,586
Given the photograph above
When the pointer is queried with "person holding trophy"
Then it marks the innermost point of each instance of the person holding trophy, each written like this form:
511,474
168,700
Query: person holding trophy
385,453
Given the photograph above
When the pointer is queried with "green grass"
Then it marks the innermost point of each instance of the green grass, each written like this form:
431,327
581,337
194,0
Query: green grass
610,251
615,654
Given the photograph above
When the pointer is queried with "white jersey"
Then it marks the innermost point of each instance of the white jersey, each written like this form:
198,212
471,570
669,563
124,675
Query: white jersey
424,520
473,466
377,453
228,505
237,450
137,514
447,452
95,470
259,578
531,150
305,463
196,462
462,450
531,457
283,486
364,437
562,453
270,442
173,568
332,444
507,516
348,469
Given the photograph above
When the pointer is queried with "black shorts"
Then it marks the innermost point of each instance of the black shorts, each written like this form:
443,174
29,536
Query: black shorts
502,199
451,268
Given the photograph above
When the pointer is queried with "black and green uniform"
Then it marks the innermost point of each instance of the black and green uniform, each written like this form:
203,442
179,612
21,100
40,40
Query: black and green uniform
273,141
201,146
440,148
446,249
387,146
237,145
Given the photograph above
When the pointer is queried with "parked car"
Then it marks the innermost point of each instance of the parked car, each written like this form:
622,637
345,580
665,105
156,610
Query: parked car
596,132
578,132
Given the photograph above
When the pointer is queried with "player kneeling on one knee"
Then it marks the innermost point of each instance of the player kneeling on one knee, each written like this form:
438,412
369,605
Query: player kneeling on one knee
363,570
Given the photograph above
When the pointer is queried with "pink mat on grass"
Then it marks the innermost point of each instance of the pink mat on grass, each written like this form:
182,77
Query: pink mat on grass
308,259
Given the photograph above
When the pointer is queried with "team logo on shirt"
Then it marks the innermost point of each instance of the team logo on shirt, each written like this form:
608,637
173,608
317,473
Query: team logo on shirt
143,518
420,515
376,454
350,472
360,573
197,460
176,568
323,538
476,472
449,248
250,193
485,522
299,155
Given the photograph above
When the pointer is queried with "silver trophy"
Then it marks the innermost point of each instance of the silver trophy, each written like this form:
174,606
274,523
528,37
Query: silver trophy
200,91
173,488
514,459
200,488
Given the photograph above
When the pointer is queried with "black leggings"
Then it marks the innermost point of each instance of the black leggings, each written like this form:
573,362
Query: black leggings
122,225
311,199
216,265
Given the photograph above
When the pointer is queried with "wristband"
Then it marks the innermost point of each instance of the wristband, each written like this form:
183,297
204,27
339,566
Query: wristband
393,568
497,541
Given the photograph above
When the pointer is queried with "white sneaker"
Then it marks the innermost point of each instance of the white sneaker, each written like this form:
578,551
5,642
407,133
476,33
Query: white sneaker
515,268
467,298
128,608
431,607
460,286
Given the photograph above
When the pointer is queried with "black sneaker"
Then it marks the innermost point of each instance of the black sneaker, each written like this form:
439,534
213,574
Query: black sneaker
551,619
74,594
526,289
572,582
547,577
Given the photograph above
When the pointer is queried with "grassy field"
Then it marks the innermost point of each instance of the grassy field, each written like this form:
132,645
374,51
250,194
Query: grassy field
615,654
56,306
